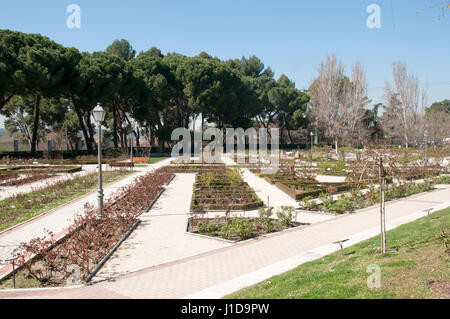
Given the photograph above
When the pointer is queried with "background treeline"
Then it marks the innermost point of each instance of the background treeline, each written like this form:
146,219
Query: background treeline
46,87
342,112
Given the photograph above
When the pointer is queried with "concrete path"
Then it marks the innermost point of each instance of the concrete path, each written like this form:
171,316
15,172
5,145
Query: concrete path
277,198
222,271
330,179
161,237
60,218
9,191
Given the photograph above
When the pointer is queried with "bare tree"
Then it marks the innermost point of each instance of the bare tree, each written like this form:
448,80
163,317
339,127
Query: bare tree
438,125
406,87
357,101
391,118
445,6
327,93
338,102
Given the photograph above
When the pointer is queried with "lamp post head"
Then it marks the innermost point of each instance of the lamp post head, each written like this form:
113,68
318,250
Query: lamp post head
98,113
312,133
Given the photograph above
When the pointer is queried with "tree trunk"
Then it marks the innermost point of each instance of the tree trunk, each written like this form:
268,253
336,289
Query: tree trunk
115,141
194,119
138,137
90,140
281,135
290,136
37,112
81,121
336,145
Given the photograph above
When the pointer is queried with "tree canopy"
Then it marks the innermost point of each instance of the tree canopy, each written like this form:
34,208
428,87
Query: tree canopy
51,87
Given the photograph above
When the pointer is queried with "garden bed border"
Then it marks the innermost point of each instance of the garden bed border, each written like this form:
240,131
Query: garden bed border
112,251
236,242
155,199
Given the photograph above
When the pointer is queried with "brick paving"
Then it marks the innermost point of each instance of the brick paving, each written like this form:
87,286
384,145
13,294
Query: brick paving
195,274
161,237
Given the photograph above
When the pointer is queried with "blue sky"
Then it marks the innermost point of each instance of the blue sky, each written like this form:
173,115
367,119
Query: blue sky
291,37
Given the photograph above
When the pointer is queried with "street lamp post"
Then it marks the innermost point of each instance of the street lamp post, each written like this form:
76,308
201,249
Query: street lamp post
310,151
133,126
99,116
425,135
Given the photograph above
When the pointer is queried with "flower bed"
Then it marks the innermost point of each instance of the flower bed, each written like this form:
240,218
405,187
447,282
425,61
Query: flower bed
39,169
334,168
122,164
222,188
90,238
17,179
298,188
358,200
195,168
239,229
22,175
111,156
22,207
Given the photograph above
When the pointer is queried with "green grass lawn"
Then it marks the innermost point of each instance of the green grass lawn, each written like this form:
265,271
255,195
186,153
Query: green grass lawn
20,208
417,256
154,160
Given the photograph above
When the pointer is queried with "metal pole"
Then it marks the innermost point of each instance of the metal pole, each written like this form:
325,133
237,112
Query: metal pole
131,151
382,208
426,154
100,182
67,140
384,214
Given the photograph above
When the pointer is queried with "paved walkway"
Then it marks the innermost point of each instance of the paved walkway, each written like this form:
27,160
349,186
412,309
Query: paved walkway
60,218
224,270
277,198
161,237
330,179
9,191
